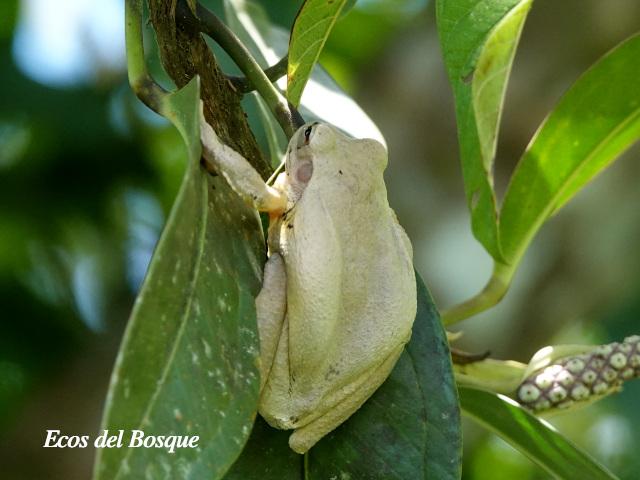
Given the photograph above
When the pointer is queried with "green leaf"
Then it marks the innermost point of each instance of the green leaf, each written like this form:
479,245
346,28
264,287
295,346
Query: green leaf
275,138
490,77
479,39
187,364
310,31
323,99
9,14
596,120
536,439
267,456
409,428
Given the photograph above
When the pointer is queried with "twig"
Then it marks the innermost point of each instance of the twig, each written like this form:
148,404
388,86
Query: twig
273,73
490,295
145,88
207,22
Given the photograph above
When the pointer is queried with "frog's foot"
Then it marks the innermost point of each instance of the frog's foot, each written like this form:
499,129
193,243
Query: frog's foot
341,405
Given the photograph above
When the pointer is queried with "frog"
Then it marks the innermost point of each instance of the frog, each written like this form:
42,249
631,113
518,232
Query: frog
338,298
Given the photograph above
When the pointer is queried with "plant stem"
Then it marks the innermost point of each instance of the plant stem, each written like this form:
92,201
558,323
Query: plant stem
490,295
145,88
273,73
305,466
216,29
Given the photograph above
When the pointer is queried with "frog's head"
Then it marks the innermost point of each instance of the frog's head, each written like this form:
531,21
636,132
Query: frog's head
321,147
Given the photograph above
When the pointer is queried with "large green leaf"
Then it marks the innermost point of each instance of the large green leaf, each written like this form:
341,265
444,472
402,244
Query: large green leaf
533,437
479,40
187,364
310,31
322,99
409,428
597,119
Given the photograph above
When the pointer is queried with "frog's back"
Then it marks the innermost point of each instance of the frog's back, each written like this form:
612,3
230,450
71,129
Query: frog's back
352,261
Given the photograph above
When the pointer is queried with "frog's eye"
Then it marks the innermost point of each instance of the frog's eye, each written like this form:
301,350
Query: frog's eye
307,135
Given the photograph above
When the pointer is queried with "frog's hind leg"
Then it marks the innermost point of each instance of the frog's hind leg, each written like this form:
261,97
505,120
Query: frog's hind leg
345,403
271,308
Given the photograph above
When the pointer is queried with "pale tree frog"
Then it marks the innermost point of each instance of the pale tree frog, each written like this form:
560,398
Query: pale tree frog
339,294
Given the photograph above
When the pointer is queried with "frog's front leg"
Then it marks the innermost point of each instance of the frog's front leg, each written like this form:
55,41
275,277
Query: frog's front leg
271,308
242,177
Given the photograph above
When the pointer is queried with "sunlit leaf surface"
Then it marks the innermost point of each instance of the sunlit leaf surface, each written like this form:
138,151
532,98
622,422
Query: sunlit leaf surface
310,31
597,119
531,436
479,40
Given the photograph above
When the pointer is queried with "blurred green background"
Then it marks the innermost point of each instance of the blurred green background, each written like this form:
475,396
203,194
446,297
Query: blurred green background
87,177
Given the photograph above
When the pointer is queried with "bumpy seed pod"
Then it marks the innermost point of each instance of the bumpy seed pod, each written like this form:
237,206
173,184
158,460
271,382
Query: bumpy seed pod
579,379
